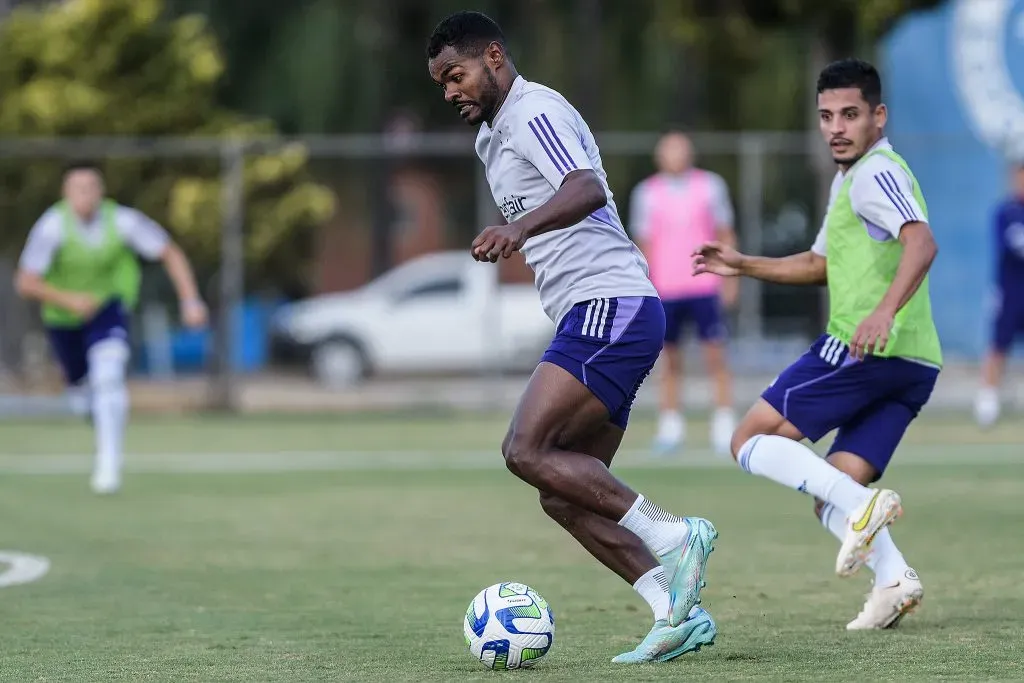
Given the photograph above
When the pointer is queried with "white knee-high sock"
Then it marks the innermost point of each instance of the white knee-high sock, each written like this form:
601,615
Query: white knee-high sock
797,467
108,360
885,560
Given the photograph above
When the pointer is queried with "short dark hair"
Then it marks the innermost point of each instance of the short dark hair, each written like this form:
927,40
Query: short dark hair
852,73
468,32
81,165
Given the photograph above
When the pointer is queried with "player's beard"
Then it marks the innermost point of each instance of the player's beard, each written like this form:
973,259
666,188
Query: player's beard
490,93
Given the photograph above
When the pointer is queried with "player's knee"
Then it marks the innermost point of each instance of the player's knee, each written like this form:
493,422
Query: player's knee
521,457
108,361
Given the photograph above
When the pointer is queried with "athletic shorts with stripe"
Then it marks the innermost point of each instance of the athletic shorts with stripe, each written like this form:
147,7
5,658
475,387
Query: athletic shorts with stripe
871,402
610,345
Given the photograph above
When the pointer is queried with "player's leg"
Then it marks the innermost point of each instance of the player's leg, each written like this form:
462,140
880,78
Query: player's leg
585,378
711,328
108,353
819,392
68,345
987,403
625,554
671,432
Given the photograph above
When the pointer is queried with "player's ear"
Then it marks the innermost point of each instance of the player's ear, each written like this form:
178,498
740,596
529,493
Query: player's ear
881,115
494,55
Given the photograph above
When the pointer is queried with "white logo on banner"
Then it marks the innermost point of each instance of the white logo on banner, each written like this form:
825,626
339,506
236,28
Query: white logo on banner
993,106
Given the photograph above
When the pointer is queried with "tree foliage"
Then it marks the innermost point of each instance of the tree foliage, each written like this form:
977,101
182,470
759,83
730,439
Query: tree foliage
115,67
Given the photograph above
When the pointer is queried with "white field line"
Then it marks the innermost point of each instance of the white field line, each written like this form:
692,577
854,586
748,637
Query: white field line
342,460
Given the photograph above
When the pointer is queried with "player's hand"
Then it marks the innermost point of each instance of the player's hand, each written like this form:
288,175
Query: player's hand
194,313
498,241
872,335
81,304
717,258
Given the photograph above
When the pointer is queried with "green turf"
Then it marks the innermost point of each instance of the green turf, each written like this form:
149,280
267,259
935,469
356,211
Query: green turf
364,574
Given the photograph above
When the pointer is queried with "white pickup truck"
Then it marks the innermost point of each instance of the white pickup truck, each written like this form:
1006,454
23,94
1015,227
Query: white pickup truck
438,313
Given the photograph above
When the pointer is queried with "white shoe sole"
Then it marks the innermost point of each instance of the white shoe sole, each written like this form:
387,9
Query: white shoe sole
910,602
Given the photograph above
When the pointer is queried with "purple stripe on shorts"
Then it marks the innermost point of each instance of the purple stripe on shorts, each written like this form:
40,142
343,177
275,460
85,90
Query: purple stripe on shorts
785,398
625,311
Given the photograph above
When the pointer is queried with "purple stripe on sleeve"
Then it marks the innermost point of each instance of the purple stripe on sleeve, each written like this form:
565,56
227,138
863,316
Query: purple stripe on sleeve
543,144
888,193
558,140
899,194
551,143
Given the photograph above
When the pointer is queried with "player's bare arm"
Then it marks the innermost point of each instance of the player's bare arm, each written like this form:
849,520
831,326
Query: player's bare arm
719,258
579,195
919,251
33,287
193,310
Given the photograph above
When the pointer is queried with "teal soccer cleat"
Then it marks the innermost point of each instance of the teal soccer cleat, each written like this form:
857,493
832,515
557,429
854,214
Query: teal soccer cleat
665,642
685,566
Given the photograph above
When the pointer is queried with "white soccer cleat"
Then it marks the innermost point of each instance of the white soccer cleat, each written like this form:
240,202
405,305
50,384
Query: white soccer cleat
887,605
671,433
105,482
862,525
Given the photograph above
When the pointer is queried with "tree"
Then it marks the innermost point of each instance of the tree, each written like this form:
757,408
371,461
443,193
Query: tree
113,67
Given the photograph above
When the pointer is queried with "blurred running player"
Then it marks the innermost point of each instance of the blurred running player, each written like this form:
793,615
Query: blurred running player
671,213
545,173
875,367
1009,319
80,262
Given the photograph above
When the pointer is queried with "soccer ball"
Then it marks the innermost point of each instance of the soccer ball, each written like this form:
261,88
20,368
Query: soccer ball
508,626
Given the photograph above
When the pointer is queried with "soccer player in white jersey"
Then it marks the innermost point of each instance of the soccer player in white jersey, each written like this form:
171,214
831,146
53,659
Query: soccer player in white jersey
80,263
875,368
546,176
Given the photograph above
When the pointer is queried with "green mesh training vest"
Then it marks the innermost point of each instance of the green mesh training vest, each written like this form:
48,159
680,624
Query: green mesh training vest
860,270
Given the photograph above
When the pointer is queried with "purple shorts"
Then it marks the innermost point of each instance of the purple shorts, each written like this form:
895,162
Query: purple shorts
870,402
71,344
704,312
610,345
1008,324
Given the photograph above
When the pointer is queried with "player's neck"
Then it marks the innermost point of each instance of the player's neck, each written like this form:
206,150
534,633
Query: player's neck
504,89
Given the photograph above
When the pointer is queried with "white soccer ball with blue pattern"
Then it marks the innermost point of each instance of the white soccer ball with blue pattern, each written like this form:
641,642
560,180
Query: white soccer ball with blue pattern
509,626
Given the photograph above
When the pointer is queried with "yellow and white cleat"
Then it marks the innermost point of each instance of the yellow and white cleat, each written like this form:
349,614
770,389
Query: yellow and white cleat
863,524
887,605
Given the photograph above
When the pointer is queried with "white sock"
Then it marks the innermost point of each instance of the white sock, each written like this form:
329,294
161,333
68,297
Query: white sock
79,398
885,560
653,587
671,426
723,424
659,530
797,467
107,362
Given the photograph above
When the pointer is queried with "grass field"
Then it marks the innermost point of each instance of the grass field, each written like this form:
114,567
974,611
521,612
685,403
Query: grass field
326,548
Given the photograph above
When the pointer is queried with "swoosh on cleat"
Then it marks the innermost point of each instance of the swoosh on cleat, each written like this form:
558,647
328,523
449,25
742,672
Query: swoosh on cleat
862,523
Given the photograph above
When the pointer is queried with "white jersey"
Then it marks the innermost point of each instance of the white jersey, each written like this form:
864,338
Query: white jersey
139,232
535,140
882,196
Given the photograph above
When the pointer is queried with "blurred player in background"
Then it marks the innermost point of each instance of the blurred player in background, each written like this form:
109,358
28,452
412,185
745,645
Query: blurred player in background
546,175
671,214
875,367
1009,319
80,262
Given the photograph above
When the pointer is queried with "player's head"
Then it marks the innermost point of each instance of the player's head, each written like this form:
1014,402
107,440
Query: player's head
673,153
850,110
83,187
466,56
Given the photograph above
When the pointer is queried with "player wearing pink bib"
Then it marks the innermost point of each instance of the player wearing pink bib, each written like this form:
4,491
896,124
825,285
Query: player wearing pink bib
672,213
